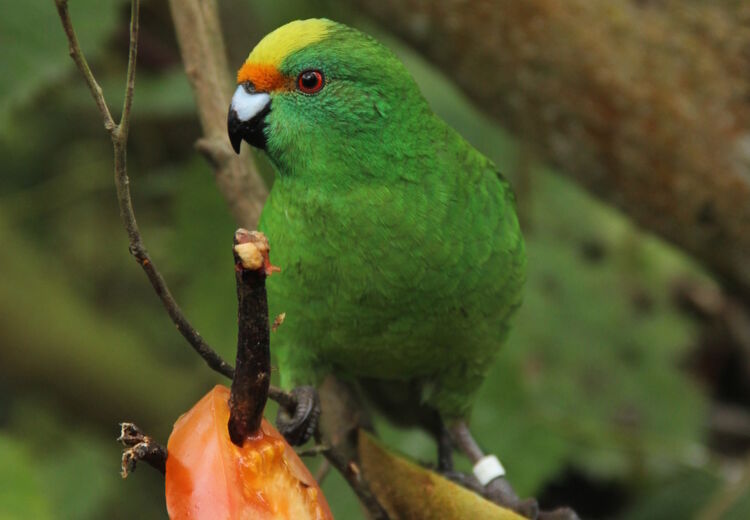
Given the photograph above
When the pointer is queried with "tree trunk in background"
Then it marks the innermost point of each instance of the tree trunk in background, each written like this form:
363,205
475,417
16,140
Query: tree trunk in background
200,37
646,104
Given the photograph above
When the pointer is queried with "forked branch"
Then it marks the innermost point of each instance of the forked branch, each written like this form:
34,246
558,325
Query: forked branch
119,134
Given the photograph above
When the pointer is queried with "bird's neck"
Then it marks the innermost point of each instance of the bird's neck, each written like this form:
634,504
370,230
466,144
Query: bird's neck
400,150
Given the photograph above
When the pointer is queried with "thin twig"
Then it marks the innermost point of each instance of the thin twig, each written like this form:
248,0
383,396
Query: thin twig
119,134
140,447
127,103
80,61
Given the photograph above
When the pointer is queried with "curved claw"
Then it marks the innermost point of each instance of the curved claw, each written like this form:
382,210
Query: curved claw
298,425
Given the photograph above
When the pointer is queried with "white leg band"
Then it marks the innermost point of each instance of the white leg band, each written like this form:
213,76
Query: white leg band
487,469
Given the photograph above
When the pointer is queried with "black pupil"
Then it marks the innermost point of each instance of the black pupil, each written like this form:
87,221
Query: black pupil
310,80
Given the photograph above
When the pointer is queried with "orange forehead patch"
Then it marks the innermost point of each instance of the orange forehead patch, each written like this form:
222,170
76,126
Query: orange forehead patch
264,77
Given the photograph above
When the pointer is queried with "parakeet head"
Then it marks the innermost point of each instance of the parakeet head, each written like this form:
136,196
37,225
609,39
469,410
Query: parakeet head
318,91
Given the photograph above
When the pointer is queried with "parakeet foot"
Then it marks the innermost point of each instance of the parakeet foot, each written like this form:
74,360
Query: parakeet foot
298,425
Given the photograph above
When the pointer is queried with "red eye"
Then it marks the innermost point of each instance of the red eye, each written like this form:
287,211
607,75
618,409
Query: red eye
310,81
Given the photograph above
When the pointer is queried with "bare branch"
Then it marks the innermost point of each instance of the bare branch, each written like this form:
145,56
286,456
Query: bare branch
342,417
349,468
127,104
83,66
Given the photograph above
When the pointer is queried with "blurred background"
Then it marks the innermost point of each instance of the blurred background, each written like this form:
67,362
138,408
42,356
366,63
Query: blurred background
624,390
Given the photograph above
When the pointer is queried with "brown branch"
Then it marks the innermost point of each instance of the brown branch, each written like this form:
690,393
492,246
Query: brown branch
127,103
201,44
76,54
341,418
349,468
140,447
646,107
252,376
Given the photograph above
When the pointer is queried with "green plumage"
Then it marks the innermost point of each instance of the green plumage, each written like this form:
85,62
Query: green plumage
401,254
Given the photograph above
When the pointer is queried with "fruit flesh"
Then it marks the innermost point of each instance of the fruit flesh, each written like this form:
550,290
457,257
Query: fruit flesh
209,477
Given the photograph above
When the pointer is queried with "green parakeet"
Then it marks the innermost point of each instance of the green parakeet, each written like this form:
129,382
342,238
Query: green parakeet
401,254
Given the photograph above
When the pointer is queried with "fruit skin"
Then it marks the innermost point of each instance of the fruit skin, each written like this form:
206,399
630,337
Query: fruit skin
209,477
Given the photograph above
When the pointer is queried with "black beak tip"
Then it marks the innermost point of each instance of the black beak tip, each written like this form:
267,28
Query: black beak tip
234,130
251,131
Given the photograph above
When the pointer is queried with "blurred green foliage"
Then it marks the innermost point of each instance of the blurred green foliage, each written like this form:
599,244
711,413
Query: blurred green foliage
591,378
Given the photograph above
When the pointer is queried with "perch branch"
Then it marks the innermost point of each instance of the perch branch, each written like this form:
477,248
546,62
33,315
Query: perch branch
615,95
349,468
204,56
342,416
